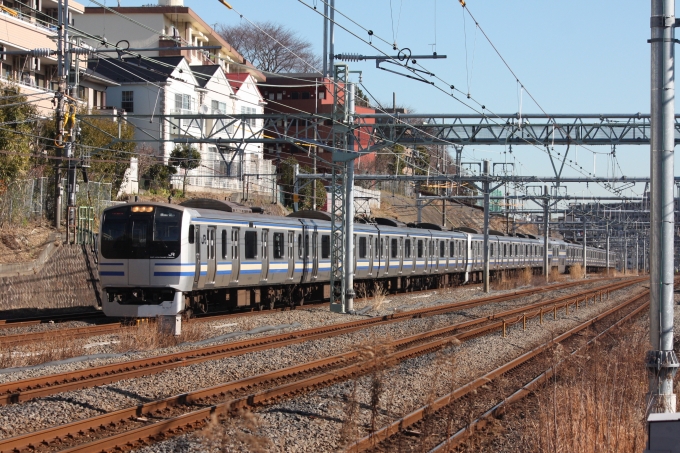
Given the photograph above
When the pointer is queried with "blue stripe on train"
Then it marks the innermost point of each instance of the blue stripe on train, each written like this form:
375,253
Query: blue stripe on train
112,274
174,274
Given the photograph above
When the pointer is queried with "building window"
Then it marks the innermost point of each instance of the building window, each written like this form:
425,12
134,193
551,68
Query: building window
219,107
271,96
295,95
305,95
183,101
279,96
322,95
128,103
252,122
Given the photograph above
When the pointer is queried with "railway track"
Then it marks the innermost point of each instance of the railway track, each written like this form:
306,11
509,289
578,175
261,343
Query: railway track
170,414
24,390
419,430
107,326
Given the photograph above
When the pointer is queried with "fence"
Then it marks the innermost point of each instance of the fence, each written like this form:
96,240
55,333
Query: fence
33,199
25,200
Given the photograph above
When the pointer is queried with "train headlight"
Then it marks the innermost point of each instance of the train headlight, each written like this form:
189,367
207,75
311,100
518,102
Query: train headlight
142,209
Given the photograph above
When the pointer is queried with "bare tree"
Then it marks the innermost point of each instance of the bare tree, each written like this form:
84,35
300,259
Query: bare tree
271,47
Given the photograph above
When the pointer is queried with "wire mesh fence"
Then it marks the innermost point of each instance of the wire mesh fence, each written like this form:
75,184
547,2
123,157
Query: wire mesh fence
30,200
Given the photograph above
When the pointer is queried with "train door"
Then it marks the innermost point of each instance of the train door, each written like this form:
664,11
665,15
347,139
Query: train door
291,254
265,255
401,255
303,249
211,247
197,244
315,253
235,255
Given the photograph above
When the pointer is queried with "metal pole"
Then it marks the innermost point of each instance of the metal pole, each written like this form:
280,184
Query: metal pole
546,232
349,209
325,39
662,363
296,185
607,233
485,187
331,57
419,206
585,250
637,255
625,255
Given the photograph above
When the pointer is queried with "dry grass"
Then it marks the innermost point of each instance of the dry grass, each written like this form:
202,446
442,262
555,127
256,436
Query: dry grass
554,274
61,347
379,297
576,272
235,432
597,404
151,335
526,277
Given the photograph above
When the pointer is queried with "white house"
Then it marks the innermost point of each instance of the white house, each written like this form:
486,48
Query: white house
168,85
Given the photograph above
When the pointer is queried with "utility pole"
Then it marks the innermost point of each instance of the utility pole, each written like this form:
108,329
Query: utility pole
625,254
662,362
485,187
546,232
585,252
637,255
349,208
607,235
59,95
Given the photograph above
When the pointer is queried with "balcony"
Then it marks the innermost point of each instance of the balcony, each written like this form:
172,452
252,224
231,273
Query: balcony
44,24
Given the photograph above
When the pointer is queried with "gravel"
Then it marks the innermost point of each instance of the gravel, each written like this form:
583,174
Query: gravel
314,422
413,374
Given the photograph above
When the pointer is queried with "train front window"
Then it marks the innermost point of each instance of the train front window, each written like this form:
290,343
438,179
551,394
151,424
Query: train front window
151,233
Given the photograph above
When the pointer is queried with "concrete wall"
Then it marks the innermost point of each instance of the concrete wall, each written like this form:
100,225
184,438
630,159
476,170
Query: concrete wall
63,276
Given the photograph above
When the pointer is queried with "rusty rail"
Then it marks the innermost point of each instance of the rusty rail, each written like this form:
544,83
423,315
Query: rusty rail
24,390
404,350
405,422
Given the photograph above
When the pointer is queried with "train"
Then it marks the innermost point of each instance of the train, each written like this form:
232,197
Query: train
160,259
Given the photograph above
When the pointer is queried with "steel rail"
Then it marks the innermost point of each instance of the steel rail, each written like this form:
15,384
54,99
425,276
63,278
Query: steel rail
480,422
27,389
49,435
32,321
419,414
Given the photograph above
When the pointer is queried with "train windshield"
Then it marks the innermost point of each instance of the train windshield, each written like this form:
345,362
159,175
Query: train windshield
141,232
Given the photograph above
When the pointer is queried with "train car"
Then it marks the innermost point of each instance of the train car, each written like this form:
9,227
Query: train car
158,259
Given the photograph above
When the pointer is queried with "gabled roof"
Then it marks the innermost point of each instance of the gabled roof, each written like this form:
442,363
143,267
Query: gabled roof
131,70
236,80
204,73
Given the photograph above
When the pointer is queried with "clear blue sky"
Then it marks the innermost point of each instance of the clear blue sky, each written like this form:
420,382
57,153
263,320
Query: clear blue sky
573,56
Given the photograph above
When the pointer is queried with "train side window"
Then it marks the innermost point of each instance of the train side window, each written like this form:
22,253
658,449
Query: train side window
380,253
407,248
300,246
191,234
307,245
395,248
325,246
420,248
224,244
442,249
250,244
279,245
452,249
362,247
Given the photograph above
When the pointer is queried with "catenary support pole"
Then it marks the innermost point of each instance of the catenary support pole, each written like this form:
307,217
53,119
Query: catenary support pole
607,236
349,210
662,362
331,48
546,232
485,187
585,250
625,255
325,39
637,255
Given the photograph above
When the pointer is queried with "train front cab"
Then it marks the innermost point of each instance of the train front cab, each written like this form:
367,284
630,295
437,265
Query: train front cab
141,266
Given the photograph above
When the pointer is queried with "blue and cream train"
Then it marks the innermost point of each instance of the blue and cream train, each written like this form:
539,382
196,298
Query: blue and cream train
159,259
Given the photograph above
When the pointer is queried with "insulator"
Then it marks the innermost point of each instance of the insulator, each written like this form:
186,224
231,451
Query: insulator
349,57
42,52
81,51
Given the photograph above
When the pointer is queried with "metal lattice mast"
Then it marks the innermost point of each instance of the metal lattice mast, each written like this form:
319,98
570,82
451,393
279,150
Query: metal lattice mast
337,189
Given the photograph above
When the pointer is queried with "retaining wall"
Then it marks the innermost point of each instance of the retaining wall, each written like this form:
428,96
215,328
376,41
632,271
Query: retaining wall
62,276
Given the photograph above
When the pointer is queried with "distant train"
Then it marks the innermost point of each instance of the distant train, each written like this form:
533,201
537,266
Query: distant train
158,259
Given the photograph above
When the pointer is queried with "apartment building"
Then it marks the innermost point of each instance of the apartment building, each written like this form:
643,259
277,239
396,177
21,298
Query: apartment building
176,26
32,24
